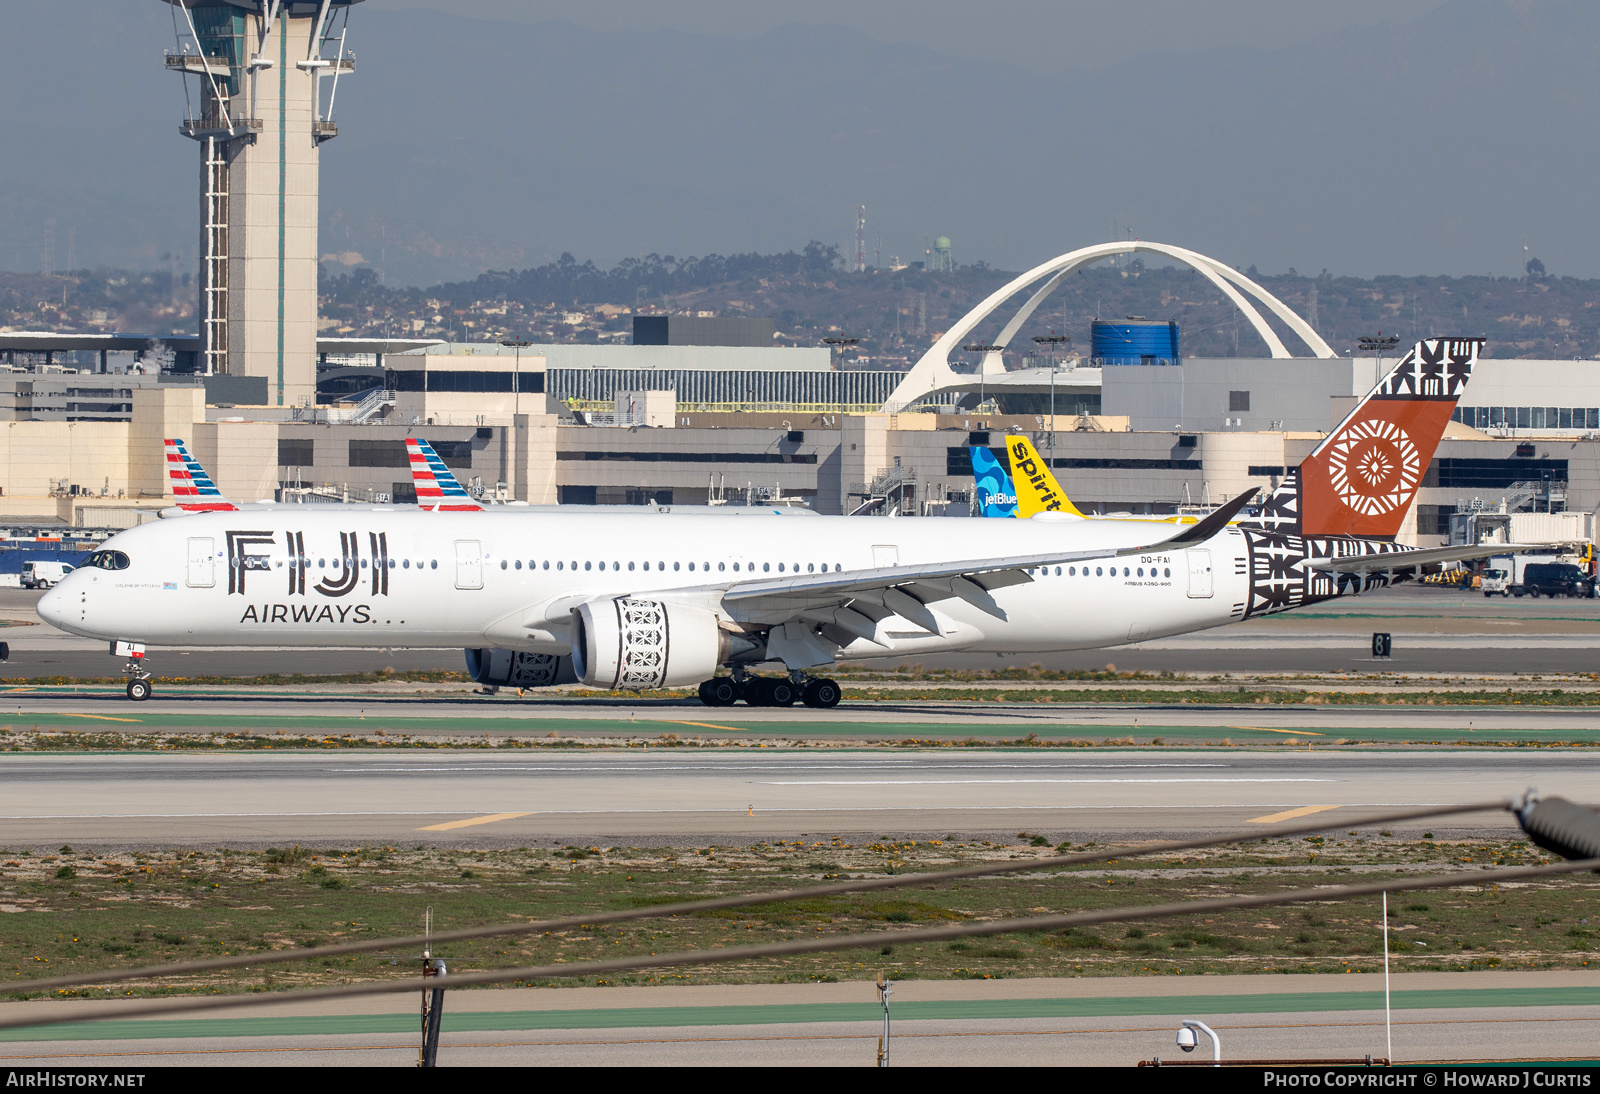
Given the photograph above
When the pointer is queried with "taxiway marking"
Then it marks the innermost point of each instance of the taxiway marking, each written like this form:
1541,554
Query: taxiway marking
470,821
987,782
1269,729
702,725
1291,814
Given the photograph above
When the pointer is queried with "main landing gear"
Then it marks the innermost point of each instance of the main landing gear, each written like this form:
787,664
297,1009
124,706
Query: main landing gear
770,691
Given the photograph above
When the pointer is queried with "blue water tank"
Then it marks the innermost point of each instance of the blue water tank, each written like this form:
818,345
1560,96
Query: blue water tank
1133,342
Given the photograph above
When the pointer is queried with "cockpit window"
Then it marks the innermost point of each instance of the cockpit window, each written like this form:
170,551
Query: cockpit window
107,560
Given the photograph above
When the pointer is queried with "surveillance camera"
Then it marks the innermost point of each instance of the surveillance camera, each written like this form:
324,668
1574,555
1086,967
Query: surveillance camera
1187,1040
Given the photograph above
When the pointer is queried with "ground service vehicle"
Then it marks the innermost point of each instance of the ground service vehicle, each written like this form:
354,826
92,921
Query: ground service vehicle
42,575
1554,579
1497,579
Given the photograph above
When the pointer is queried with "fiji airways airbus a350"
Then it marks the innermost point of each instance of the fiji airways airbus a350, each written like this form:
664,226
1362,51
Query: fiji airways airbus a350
619,600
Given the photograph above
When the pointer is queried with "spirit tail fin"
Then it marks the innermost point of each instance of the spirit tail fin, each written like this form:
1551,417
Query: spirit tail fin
1036,488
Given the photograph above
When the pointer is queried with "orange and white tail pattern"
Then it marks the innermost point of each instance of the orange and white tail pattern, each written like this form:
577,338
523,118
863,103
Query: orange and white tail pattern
190,484
1361,480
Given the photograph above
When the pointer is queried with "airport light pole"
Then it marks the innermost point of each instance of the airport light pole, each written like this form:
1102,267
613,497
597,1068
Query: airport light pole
1375,344
1054,342
517,344
839,345
982,348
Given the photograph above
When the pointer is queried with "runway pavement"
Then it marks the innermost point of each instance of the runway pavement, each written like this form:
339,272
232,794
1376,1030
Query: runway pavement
1098,1021
315,711
1434,631
657,797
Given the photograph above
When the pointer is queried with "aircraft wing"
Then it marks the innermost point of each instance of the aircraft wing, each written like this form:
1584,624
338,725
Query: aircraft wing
1410,560
907,590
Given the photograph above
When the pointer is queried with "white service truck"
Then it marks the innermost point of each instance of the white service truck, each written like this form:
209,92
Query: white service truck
43,574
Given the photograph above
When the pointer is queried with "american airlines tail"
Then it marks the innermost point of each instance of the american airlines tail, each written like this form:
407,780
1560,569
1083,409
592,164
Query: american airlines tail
195,491
437,487
1360,481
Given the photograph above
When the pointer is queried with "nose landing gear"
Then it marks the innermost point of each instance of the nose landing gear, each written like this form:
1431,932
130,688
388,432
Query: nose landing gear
139,685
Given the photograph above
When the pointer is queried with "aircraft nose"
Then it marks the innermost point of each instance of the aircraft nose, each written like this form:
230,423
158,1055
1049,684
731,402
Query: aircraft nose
52,606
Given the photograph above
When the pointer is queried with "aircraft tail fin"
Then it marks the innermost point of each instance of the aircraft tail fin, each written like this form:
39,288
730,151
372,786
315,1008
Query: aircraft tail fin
1036,488
190,484
1361,480
996,496
437,487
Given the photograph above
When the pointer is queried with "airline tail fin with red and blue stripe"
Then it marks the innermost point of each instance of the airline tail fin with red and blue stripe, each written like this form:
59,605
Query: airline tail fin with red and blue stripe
437,487
190,484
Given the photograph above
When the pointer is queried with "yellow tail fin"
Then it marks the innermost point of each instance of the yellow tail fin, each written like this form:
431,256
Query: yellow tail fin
1036,488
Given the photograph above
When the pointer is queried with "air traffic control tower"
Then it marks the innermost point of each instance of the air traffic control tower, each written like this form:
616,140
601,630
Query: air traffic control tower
266,76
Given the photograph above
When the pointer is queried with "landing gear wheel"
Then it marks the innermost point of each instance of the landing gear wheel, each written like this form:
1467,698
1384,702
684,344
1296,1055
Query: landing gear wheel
781,692
139,690
822,694
719,692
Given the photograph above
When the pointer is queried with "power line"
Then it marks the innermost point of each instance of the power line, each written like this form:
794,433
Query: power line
657,911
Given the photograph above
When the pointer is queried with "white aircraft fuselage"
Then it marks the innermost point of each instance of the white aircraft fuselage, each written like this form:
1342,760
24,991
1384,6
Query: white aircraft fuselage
505,579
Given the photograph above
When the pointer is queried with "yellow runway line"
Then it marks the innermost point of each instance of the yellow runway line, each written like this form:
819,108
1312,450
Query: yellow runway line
470,821
1291,814
1269,729
103,718
702,725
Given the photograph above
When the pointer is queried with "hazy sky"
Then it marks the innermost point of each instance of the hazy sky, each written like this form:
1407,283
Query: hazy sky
1036,34
1361,136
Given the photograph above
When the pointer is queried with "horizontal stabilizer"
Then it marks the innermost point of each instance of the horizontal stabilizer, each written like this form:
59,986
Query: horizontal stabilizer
1388,561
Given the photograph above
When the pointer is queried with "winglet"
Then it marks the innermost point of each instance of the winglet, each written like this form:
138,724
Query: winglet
437,488
190,484
1204,530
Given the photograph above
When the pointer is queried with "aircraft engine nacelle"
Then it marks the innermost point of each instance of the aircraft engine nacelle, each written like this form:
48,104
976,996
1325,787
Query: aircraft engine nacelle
634,644
513,669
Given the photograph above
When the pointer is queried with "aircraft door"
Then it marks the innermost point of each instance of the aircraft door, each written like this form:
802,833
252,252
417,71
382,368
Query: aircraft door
202,563
469,564
885,554
1199,573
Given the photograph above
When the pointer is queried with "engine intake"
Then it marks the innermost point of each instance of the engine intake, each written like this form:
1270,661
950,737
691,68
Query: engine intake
633,644
513,669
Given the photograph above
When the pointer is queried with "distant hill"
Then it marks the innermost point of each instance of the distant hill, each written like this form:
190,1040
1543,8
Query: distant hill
895,314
